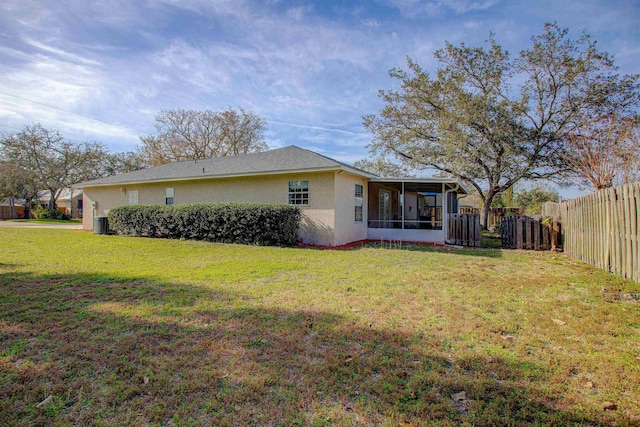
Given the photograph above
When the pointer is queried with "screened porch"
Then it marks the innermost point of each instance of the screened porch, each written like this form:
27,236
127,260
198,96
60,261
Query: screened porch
410,209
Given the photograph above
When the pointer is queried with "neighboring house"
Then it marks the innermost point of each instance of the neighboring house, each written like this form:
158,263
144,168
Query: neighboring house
65,202
339,203
12,209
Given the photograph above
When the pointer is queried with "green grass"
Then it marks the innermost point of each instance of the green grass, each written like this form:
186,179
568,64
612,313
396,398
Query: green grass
48,221
133,331
490,240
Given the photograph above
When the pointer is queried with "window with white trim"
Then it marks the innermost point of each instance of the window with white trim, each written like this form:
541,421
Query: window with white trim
168,197
359,194
299,193
132,197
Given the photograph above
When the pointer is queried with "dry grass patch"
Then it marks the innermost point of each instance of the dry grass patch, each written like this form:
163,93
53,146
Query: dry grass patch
149,332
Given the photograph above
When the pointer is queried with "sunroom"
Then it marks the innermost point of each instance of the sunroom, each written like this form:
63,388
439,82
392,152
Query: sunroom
411,209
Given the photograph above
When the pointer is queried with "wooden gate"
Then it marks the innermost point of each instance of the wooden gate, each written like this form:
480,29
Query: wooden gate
463,229
525,232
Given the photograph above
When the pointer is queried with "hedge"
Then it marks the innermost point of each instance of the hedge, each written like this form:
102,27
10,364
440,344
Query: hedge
253,224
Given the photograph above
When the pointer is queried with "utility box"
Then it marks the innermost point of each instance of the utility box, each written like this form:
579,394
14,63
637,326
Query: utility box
101,225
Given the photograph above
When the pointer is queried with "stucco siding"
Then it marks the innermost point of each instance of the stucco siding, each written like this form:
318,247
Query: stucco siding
347,229
318,220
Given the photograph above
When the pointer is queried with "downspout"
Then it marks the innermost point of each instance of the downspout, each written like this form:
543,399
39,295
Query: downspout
456,188
402,205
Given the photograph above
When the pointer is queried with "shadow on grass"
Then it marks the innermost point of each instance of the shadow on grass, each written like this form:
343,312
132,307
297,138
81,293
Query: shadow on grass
121,351
421,247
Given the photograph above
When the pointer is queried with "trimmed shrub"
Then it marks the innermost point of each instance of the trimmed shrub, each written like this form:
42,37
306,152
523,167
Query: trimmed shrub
46,213
252,224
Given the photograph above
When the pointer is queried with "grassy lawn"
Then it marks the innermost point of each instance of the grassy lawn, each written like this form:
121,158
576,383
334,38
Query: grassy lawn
48,221
490,240
132,331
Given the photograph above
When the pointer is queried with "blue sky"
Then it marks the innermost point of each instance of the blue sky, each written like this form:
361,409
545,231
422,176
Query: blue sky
312,69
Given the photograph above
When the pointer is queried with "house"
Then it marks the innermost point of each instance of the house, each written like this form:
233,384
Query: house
65,201
339,203
69,201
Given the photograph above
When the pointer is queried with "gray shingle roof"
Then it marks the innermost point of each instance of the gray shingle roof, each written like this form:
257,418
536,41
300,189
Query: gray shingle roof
281,160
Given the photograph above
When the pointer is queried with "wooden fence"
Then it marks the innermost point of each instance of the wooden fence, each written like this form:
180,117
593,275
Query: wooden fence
495,214
527,232
603,228
551,209
8,212
463,229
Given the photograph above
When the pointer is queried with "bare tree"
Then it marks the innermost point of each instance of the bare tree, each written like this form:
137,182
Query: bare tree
123,162
190,135
605,152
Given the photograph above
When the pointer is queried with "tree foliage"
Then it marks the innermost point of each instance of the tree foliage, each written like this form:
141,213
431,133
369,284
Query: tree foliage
382,167
15,182
44,156
37,158
190,135
533,199
491,119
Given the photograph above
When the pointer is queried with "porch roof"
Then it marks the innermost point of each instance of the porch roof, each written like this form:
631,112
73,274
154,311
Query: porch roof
450,183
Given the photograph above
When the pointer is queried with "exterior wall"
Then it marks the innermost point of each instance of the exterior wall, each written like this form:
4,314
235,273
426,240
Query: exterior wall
66,205
346,228
407,235
318,219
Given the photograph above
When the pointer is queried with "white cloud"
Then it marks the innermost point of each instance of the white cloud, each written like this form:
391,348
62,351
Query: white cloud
372,24
312,127
59,52
312,75
299,12
415,8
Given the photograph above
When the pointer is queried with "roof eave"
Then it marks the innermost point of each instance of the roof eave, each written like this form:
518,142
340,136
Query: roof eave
433,180
199,178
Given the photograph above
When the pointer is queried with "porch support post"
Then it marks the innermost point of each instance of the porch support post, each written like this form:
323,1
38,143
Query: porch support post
402,205
444,211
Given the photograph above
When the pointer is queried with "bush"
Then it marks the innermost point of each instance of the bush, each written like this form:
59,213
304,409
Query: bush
253,224
46,213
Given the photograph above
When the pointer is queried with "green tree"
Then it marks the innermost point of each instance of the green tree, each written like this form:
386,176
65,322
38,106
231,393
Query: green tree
191,135
532,200
16,184
37,158
492,120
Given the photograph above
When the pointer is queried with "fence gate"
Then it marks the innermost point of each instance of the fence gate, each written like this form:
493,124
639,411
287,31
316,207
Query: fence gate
525,232
463,230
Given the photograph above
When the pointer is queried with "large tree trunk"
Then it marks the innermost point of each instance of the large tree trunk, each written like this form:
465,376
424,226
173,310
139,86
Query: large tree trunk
52,200
486,208
71,202
12,203
484,214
